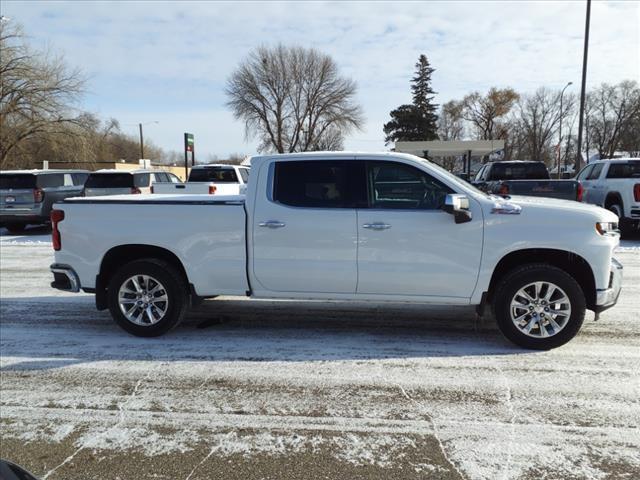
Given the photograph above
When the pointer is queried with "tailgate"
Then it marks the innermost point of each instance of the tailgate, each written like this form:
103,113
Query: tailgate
563,189
16,198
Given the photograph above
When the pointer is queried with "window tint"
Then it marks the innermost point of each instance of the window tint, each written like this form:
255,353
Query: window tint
141,179
244,173
519,171
213,174
17,181
79,178
585,172
51,180
320,184
595,173
480,174
160,177
395,185
624,170
109,180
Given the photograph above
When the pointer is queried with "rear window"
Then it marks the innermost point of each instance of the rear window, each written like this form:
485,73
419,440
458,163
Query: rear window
213,174
51,180
109,180
624,170
519,171
17,181
141,179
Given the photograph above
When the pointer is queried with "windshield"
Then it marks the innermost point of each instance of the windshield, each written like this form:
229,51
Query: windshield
213,174
109,180
17,181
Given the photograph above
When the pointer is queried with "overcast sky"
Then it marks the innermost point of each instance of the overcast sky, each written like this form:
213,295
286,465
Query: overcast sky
168,61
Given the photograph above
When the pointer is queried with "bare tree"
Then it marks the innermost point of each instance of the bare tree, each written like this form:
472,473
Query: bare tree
451,121
291,98
485,113
37,94
612,111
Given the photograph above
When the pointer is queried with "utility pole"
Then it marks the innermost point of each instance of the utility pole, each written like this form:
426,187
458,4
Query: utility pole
584,83
141,143
560,139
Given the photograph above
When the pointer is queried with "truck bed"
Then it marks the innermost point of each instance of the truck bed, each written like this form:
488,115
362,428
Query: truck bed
214,252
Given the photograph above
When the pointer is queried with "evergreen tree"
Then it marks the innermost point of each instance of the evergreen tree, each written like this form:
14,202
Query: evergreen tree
416,121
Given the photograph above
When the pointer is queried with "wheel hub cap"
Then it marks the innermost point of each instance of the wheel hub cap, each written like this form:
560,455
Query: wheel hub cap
143,300
540,309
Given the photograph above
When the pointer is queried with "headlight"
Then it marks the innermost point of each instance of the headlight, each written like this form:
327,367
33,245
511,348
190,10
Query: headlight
607,228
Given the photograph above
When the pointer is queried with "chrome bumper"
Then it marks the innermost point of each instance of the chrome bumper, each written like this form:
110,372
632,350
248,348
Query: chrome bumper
64,278
608,297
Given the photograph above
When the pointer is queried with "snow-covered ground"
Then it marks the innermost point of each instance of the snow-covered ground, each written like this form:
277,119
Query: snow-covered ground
259,389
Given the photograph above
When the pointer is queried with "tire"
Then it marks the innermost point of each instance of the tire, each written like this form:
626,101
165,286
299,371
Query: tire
617,209
538,315
16,227
150,274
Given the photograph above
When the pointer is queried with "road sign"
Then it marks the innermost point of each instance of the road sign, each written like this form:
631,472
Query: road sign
188,142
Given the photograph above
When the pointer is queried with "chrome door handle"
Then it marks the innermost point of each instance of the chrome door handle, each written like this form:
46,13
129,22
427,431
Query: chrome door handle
272,224
376,226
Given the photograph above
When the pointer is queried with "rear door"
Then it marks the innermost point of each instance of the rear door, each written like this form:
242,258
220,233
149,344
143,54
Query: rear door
582,178
304,232
407,244
594,185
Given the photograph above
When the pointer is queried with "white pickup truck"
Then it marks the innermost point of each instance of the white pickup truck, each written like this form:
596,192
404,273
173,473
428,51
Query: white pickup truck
615,185
209,179
374,227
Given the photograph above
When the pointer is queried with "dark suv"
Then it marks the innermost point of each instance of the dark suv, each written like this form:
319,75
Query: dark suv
26,196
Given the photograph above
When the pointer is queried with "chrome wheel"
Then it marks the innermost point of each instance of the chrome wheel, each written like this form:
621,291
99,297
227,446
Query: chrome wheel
143,300
540,309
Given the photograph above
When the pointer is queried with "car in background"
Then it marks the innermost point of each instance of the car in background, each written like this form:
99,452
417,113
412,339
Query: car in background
122,182
218,179
27,196
524,177
615,185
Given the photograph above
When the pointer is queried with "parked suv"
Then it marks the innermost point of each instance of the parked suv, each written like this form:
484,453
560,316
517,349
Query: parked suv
27,196
119,182
614,185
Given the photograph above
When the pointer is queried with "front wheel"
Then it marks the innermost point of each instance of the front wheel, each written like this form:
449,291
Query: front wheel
539,306
147,298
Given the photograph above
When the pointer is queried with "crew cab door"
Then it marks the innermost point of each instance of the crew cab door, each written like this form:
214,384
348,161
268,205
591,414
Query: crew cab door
305,231
407,244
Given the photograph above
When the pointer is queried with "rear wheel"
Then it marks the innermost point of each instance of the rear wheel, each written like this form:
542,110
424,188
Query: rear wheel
147,298
539,306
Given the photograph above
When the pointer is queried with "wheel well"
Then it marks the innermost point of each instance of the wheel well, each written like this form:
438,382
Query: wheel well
573,264
122,254
613,198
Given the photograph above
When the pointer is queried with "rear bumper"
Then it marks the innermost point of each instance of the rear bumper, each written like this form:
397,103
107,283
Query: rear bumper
64,278
23,215
607,298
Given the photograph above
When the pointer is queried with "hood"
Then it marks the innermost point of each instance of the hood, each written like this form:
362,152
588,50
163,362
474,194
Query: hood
569,206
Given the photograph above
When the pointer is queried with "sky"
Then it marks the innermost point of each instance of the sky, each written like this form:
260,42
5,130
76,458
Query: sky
167,62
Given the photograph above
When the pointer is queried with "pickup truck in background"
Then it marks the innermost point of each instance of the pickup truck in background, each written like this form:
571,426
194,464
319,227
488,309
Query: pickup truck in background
27,196
518,177
615,185
343,226
210,179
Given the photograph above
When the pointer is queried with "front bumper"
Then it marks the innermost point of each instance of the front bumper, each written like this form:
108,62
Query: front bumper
64,278
607,298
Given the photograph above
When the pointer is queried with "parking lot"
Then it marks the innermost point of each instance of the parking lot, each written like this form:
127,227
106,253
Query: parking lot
248,389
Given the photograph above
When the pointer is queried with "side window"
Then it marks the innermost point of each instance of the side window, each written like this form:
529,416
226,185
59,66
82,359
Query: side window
161,177
51,180
585,172
68,180
400,186
141,180
480,174
79,178
595,173
173,178
244,173
320,184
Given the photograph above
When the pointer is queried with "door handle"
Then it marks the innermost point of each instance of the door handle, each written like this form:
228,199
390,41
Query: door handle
376,226
272,224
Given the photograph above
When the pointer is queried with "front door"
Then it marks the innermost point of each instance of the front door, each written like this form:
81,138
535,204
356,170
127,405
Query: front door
305,232
407,244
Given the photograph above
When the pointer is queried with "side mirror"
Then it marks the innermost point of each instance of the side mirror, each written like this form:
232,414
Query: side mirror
458,206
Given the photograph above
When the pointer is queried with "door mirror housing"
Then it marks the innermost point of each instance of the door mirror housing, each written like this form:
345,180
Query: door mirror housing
458,206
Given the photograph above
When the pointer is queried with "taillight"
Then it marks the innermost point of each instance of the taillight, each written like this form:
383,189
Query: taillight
636,192
56,217
504,190
135,190
212,189
580,192
38,195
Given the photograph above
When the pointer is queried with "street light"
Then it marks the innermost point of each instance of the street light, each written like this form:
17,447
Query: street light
560,140
142,138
